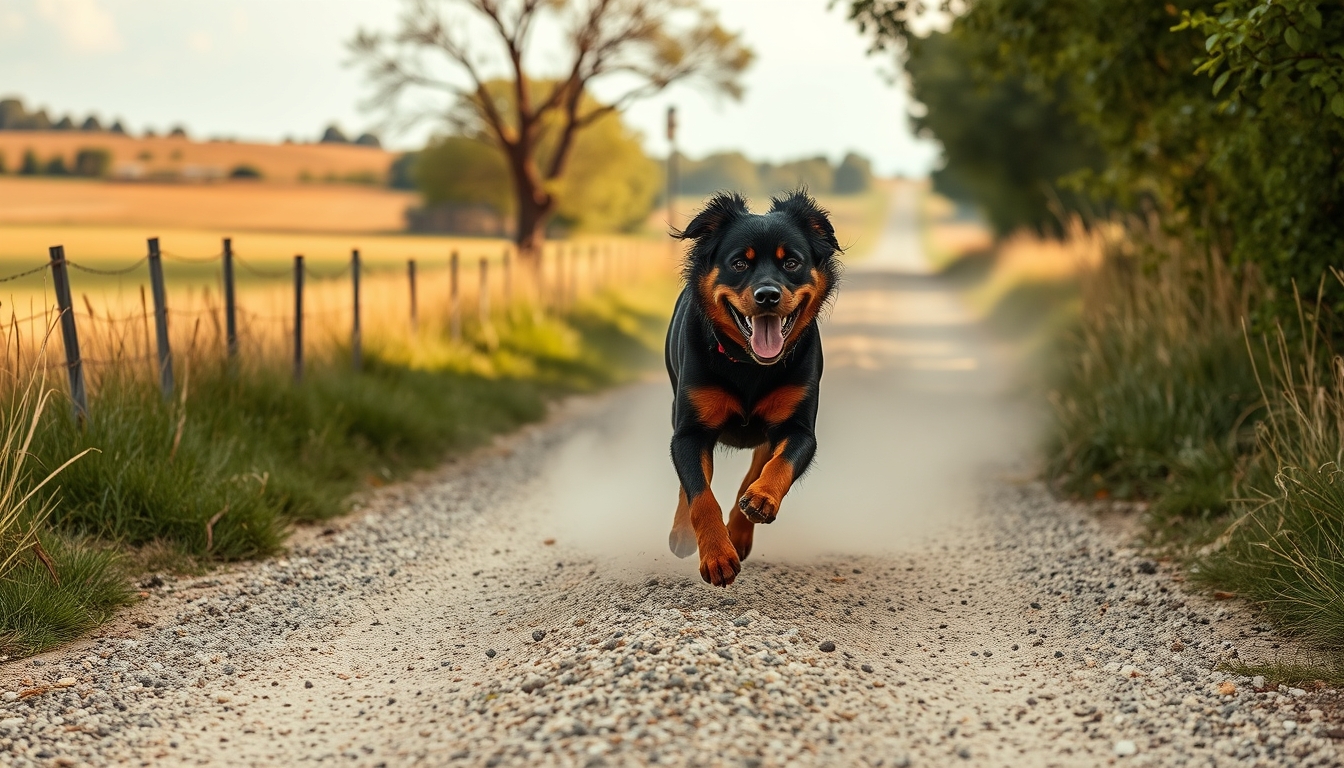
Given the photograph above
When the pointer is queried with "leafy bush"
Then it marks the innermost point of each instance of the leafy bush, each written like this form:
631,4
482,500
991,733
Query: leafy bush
245,171
93,163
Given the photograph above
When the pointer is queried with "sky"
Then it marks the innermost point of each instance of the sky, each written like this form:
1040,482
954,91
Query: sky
268,69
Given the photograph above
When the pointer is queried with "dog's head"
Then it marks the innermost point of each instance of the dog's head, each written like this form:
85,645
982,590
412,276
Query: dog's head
761,279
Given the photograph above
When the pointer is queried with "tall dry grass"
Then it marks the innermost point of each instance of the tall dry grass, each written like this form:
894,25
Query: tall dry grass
1285,548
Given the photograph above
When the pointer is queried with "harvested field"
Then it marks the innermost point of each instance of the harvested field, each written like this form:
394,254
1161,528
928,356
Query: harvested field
225,205
178,157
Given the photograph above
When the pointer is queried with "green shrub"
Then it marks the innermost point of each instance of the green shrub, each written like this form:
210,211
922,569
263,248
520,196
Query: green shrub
93,163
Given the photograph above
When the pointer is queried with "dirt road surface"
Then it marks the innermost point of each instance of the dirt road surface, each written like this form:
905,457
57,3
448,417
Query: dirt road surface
920,601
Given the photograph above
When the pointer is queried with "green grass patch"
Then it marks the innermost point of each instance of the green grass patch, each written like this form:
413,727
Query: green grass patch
38,611
221,472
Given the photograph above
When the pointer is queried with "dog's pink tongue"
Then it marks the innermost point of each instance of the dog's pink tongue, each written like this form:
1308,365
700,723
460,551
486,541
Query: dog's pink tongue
767,337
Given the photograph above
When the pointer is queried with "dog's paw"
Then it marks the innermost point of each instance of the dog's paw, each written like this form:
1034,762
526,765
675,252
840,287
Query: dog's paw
682,541
721,566
758,507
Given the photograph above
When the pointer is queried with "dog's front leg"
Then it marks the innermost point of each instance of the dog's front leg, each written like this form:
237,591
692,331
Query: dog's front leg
693,457
791,449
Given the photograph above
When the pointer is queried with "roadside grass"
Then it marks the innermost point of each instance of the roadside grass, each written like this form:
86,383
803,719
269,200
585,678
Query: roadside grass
1284,550
1152,392
222,471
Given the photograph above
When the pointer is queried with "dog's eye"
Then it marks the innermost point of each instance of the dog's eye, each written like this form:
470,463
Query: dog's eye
792,265
739,265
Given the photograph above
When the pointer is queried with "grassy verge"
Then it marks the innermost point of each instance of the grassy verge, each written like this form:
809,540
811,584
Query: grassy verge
221,472
1235,437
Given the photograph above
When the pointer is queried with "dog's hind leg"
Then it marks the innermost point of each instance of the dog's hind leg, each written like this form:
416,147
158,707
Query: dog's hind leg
682,538
740,529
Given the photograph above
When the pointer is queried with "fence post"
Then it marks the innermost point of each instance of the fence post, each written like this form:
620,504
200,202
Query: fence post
483,296
558,299
592,269
160,318
415,310
454,306
74,364
356,342
230,304
298,318
508,280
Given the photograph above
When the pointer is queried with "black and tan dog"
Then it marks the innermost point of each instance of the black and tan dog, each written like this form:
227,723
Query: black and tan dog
744,355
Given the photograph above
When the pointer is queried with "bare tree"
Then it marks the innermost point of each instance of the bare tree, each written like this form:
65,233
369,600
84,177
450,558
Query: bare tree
459,49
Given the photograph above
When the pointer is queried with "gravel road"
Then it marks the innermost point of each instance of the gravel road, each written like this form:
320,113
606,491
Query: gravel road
919,602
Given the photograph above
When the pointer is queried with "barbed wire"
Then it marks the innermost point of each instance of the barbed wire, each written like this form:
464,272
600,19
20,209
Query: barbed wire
326,276
261,272
108,272
18,275
191,259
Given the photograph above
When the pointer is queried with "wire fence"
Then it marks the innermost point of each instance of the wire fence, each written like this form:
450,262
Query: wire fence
289,314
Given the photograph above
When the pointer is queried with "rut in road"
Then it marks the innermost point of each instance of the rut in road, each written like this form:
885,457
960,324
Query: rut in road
912,605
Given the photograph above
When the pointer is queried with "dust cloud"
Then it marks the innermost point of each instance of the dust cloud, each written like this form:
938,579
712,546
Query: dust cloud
916,408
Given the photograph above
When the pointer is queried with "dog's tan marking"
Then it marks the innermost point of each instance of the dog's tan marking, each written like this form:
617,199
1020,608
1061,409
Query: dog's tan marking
713,405
741,531
777,406
750,252
779,252
761,501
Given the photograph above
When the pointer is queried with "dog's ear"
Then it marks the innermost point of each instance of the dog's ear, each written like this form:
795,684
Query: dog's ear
723,208
814,220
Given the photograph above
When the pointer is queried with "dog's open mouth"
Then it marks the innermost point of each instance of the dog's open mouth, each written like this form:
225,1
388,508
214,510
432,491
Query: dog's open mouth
765,334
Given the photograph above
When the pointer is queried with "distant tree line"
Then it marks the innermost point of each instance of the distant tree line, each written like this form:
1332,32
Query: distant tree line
733,171
15,117
89,162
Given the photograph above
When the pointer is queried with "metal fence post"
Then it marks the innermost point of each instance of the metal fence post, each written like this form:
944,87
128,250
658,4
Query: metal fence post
74,364
160,295
455,305
415,310
230,303
298,318
356,342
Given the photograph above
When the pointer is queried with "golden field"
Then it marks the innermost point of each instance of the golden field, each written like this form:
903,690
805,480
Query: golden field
144,157
224,205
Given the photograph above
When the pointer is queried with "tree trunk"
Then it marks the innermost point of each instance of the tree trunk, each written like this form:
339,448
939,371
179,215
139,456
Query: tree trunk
535,204
531,232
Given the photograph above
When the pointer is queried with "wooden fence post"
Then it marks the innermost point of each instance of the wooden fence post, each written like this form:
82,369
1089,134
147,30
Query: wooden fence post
454,303
298,318
483,296
558,299
415,310
74,364
160,295
592,270
508,280
356,340
230,302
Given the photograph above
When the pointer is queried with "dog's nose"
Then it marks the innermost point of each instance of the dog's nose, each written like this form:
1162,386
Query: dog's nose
767,295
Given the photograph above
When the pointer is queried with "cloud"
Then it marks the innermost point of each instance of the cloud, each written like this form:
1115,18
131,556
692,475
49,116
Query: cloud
200,42
84,25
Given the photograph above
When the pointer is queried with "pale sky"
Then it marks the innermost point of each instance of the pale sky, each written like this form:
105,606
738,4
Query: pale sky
265,69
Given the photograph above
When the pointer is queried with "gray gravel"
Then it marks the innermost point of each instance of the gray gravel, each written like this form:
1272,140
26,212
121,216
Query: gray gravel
370,644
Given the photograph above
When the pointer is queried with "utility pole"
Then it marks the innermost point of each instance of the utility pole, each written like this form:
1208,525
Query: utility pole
671,164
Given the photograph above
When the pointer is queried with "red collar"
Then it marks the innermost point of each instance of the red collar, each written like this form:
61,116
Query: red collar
724,352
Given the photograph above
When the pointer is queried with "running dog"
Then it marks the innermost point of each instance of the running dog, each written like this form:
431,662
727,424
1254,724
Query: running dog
744,355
